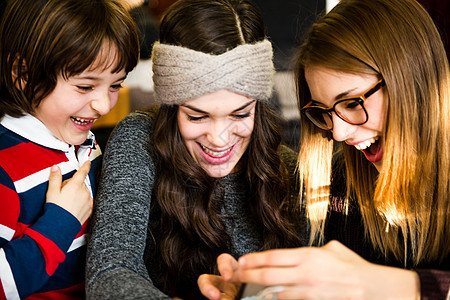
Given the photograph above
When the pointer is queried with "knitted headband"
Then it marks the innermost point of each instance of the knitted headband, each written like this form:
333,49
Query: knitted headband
181,74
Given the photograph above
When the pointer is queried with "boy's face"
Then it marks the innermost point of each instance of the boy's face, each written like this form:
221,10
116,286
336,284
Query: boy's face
70,110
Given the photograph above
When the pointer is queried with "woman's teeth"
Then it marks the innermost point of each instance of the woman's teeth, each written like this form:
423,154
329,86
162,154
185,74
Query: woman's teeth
215,153
81,121
366,144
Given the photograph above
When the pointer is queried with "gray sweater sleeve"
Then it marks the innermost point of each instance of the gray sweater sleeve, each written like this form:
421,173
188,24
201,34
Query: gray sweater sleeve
115,267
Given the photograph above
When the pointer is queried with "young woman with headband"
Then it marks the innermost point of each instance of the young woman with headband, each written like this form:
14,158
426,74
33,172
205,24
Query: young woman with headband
205,173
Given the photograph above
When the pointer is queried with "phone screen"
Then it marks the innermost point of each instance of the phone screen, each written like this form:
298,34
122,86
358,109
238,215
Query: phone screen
250,291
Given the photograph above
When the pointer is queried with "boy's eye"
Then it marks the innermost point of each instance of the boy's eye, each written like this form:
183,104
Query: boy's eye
84,88
116,87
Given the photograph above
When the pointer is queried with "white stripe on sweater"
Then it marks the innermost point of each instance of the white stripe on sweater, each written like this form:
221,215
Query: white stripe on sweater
7,278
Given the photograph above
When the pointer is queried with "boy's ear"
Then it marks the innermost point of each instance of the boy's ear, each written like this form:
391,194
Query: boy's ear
15,73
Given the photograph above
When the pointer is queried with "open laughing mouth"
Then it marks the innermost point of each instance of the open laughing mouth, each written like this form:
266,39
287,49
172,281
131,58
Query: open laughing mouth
216,154
372,149
82,122
216,157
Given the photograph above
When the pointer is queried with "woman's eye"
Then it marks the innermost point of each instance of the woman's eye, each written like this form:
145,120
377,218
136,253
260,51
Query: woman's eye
241,116
352,104
194,118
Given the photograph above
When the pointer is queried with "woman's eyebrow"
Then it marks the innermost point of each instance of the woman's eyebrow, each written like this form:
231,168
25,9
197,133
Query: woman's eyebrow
204,112
194,108
340,96
245,105
344,94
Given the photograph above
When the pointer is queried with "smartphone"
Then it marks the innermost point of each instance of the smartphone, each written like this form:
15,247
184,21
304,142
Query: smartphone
250,291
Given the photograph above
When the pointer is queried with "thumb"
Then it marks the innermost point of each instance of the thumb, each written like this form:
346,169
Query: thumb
82,172
55,180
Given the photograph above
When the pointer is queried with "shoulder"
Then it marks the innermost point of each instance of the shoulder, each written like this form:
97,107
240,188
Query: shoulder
21,158
140,121
9,138
131,142
136,128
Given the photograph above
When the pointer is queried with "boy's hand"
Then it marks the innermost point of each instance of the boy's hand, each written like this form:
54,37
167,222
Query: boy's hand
72,194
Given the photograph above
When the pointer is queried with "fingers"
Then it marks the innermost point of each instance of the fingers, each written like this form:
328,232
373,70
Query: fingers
329,272
72,195
82,172
54,181
209,286
273,258
289,257
216,288
221,287
269,268
227,266
282,266
272,276
320,292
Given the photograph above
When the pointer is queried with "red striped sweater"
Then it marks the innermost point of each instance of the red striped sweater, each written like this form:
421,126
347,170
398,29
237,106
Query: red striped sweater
42,246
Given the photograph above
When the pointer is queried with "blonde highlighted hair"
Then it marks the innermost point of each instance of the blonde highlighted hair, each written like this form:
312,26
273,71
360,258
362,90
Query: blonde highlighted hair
409,198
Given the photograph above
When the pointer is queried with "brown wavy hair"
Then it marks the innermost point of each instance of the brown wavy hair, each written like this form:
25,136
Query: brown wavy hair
51,38
192,230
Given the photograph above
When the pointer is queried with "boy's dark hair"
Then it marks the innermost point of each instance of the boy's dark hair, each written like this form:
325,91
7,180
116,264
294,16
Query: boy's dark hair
43,39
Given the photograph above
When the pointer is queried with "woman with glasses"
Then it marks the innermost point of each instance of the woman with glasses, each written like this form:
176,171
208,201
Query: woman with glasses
374,76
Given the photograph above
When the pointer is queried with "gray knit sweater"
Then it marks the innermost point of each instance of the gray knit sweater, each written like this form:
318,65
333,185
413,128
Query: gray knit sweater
119,262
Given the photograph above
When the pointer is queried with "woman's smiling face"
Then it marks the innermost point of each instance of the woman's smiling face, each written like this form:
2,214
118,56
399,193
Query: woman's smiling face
328,86
216,129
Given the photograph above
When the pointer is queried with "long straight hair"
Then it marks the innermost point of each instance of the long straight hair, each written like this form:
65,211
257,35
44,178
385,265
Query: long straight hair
405,207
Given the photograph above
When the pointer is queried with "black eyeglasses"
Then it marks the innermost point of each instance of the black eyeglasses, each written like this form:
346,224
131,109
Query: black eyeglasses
351,110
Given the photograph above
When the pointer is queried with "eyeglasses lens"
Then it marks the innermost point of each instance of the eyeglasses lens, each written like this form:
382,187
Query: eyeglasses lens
320,118
351,111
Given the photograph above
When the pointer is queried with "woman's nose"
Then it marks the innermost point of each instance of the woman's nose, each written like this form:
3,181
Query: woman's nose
219,133
341,129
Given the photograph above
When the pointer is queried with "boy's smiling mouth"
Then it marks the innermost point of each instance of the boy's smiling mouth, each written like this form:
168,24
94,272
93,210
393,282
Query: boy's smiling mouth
81,121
